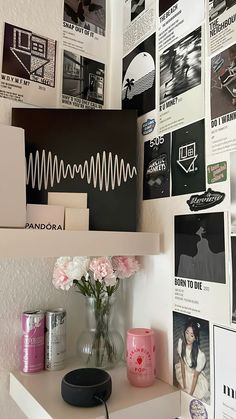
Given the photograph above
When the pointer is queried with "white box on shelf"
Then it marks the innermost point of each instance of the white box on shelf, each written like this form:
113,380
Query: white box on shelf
68,199
76,219
44,217
12,177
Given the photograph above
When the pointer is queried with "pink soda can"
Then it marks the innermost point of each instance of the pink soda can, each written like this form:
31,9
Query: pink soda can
32,341
141,357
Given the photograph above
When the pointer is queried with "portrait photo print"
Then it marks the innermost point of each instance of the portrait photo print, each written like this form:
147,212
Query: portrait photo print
191,358
200,247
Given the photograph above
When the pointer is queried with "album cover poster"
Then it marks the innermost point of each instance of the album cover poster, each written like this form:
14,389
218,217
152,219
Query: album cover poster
156,171
94,152
28,67
222,24
233,190
83,82
180,18
201,251
139,85
188,159
223,101
84,27
191,355
181,82
224,373
233,288
139,22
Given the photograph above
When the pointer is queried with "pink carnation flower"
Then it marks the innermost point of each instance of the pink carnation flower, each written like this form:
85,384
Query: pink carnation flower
61,278
125,266
102,270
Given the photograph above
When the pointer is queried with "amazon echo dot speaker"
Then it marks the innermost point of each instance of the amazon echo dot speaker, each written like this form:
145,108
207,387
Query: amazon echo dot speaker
86,387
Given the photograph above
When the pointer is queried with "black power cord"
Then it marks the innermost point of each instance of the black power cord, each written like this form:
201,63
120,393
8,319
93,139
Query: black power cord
104,403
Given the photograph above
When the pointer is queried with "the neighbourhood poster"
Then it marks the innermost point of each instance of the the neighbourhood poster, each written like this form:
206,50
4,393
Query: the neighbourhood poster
225,373
84,27
139,22
201,256
180,18
28,67
182,81
223,101
222,24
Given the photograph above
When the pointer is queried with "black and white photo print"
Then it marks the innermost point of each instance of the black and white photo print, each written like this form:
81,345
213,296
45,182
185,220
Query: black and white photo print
180,66
188,159
217,7
83,79
138,88
88,14
200,247
137,7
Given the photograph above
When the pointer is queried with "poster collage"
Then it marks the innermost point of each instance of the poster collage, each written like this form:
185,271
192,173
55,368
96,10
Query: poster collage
179,72
29,70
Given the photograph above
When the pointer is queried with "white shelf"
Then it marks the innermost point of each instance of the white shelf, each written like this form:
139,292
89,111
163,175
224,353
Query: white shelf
21,242
39,397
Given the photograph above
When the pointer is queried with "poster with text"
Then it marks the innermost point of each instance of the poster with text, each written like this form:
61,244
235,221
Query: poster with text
84,27
139,22
191,356
28,67
225,373
201,253
182,82
222,24
180,18
83,82
188,159
223,101
156,171
139,85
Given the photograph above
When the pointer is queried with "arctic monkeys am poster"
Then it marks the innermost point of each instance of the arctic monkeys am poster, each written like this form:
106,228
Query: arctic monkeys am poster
84,151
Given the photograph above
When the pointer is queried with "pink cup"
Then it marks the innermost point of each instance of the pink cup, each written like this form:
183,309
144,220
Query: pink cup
141,357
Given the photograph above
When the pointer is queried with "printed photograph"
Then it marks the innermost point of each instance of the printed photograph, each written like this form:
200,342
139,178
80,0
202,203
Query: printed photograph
88,14
164,5
180,66
191,356
156,171
233,253
29,56
138,88
223,82
83,78
137,7
188,159
200,247
216,7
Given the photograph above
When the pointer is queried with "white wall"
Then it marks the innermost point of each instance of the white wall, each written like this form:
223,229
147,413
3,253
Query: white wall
26,283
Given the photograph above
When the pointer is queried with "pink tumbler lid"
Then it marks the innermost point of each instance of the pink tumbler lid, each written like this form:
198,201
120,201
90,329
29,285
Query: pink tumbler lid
140,331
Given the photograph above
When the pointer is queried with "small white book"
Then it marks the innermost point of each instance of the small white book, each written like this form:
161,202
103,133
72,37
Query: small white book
12,177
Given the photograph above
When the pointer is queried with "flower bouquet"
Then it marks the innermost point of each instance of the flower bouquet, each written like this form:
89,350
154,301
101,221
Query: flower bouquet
97,278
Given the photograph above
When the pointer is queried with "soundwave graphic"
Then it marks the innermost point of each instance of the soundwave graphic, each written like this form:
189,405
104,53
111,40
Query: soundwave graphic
105,171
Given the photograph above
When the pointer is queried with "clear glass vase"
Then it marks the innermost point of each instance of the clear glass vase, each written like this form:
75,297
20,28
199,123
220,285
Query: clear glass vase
100,345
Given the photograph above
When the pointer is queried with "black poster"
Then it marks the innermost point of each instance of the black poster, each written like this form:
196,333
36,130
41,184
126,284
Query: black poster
233,252
138,89
188,159
200,247
156,172
84,151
